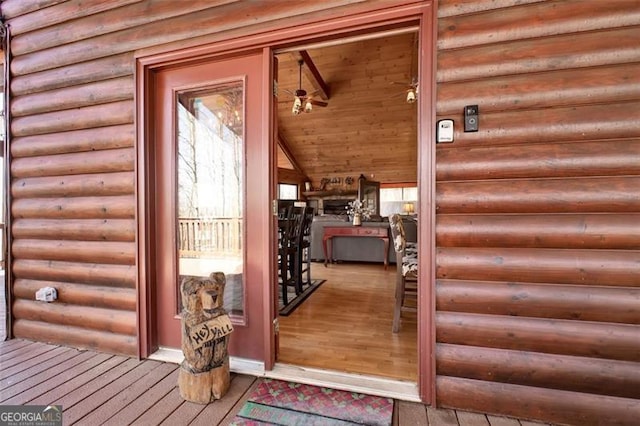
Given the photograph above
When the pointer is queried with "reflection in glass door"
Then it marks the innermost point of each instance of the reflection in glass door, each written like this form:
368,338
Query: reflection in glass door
209,191
210,176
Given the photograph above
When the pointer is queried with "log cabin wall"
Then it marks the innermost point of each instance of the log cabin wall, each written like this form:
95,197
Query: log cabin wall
73,149
538,213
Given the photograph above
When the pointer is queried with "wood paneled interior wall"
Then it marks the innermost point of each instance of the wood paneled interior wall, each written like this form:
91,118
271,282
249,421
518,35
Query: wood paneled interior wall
73,149
538,213
368,127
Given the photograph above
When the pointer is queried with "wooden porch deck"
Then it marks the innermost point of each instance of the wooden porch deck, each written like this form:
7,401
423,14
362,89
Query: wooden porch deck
96,388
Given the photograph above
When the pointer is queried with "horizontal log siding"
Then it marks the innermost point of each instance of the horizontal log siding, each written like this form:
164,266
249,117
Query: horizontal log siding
100,69
98,139
81,294
152,29
538,213
76,229
51,16
569,302
15,8
566,407
113,90
595,375
73,188
73,149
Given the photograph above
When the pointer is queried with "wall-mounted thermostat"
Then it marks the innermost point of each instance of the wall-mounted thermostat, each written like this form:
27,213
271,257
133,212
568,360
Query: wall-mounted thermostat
445,131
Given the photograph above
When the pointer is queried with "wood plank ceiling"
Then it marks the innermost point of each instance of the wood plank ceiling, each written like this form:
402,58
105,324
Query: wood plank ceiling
368,127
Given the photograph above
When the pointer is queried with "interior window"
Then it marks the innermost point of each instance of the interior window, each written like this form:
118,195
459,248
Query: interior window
287,191
398,200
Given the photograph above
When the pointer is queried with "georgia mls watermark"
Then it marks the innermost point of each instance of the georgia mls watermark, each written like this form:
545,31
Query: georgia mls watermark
30,415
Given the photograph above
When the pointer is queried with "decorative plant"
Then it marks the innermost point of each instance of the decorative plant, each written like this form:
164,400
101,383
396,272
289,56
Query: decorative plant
357,207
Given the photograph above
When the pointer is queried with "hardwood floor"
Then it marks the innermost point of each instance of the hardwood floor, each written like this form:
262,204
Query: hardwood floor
345,325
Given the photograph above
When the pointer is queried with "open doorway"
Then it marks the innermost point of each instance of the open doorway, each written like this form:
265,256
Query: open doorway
358,120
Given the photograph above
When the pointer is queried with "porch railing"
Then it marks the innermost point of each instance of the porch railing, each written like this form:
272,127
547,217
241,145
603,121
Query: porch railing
200,237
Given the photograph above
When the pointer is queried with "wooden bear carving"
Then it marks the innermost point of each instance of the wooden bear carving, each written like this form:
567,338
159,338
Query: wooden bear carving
206,327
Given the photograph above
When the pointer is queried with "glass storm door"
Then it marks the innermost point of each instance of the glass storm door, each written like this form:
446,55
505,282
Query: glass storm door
212,194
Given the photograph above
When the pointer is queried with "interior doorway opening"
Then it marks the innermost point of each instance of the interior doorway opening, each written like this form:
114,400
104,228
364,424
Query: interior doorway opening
347,111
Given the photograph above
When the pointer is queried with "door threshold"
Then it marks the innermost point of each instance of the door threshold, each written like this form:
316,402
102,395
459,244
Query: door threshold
236,365
371,385
171,355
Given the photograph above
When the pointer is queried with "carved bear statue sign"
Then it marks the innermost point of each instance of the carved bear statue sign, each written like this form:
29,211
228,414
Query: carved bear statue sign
206,327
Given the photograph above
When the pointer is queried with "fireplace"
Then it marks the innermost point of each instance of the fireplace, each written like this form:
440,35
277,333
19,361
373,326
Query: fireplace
338,206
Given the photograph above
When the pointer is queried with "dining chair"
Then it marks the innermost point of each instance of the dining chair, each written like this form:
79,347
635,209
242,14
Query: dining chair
290,232
406,271
303,255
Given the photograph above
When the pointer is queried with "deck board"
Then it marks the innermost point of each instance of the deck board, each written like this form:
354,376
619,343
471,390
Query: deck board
142,404
31,366
219,410
23,354
21,392
129,394
472,419
104,389
161,410
184,414
79,394
57,395
102,396
442,417
410,413
502,421
12,345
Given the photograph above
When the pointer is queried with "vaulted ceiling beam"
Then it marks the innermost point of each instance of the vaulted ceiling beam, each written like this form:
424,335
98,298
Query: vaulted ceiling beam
313,75
282,143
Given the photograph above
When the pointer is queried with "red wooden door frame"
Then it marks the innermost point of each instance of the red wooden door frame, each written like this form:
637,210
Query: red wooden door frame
331,24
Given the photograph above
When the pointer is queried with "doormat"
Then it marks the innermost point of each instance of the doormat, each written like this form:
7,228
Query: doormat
295,301
286,403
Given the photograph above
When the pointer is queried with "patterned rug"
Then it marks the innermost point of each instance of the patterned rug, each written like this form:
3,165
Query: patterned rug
295,301
275,402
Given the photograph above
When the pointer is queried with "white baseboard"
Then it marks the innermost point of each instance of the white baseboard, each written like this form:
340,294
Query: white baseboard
379,386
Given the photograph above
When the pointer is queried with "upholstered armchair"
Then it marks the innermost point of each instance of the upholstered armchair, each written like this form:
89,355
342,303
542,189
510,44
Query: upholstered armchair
406,271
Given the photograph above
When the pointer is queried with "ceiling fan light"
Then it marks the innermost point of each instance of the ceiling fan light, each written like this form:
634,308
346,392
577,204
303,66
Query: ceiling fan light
308,106
411,96
297,106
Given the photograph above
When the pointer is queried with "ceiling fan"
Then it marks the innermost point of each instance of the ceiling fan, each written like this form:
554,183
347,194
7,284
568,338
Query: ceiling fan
411,91
301,98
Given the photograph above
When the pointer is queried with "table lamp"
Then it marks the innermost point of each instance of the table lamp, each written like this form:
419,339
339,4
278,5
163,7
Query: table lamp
408,208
